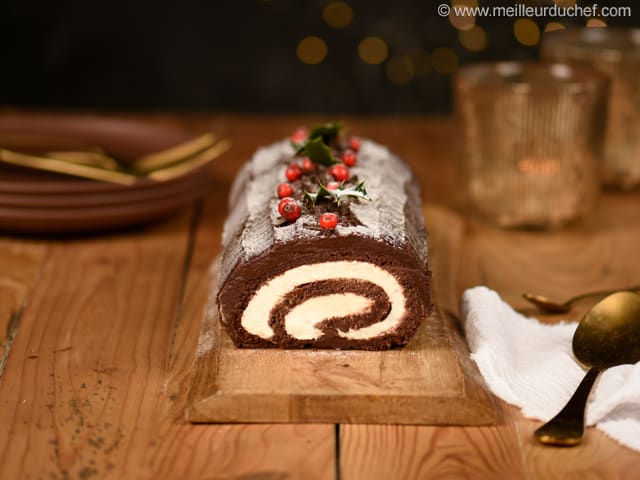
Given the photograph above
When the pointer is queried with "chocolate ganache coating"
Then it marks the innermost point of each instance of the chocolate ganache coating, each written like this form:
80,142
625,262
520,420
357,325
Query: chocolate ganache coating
364,284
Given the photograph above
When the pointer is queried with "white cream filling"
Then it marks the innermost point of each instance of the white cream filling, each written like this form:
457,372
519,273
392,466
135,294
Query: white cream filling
301,320
255,318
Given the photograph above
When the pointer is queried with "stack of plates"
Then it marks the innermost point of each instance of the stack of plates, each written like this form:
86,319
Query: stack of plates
41,202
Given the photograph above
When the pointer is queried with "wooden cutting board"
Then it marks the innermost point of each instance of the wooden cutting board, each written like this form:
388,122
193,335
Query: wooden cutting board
431,381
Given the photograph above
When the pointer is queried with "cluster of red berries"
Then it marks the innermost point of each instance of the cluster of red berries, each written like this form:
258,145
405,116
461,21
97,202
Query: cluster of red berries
288,207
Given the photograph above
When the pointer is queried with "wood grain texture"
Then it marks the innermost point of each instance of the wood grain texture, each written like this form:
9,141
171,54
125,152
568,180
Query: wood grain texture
403,451
269,452
19,266
81,391
597,457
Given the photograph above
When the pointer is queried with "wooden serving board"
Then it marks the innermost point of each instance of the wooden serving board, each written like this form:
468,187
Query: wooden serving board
431,381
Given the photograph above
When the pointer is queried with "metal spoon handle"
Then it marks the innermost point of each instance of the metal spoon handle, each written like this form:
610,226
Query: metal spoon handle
567,427
602,293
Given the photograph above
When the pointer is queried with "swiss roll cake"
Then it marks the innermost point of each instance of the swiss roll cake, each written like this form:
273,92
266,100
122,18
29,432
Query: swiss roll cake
324,246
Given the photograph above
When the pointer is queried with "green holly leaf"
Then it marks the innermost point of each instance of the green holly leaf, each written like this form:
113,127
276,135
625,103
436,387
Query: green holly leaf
359,191
339,194
323,192
327,131
317,151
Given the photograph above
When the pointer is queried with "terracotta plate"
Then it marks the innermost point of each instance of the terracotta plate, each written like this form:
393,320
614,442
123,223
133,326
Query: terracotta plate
41,202
90,219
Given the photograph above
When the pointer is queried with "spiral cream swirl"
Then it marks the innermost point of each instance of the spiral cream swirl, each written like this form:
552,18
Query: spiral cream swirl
303,321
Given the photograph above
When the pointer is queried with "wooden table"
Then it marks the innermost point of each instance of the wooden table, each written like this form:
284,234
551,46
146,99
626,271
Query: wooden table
99,334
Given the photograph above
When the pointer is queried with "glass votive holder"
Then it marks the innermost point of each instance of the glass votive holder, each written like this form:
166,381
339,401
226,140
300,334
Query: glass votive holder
531,139
615,52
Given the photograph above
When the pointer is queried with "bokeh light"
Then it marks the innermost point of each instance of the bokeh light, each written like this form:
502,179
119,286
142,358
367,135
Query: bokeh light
444,60
473,40
565,3
400,70
337,14
311,50
465,21
373,50
526,32
596,23
552,26
464,3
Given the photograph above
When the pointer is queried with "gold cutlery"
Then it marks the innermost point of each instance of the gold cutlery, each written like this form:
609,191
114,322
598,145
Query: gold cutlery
60,166
173,154
607,336
190,163
547,305
91,159
96,165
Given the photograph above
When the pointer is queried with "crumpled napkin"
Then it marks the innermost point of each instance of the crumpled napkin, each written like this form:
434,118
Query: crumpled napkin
531,365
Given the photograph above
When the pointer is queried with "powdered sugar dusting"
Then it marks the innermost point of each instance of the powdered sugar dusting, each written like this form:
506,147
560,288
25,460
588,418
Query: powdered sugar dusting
383,216
295,230
265,175
255,218
205,343
206,340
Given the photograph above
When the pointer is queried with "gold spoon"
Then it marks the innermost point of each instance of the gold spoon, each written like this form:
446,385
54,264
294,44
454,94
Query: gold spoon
551,306
607,336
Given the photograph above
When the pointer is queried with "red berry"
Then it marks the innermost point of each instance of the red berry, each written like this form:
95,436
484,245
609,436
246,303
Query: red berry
328,221
307,165
349,158
339,172
332,185
300,135
354,143
289,209
284,190
293,172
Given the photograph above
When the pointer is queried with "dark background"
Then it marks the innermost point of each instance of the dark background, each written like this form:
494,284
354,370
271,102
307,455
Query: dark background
242,56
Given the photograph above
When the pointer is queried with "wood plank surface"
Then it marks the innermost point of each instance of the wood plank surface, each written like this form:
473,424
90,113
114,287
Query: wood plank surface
112,405
597,457
406,451
83,382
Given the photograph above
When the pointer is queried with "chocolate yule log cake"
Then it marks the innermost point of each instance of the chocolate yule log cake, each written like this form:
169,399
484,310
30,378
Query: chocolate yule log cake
324,247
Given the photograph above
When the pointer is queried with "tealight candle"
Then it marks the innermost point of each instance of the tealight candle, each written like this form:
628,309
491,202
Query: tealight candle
531,138
616,53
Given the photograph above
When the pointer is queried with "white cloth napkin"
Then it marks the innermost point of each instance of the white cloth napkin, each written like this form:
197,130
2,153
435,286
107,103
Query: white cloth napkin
531,365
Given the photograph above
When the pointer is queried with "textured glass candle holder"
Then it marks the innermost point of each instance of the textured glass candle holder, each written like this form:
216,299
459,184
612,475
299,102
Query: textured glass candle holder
531,139
615,52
